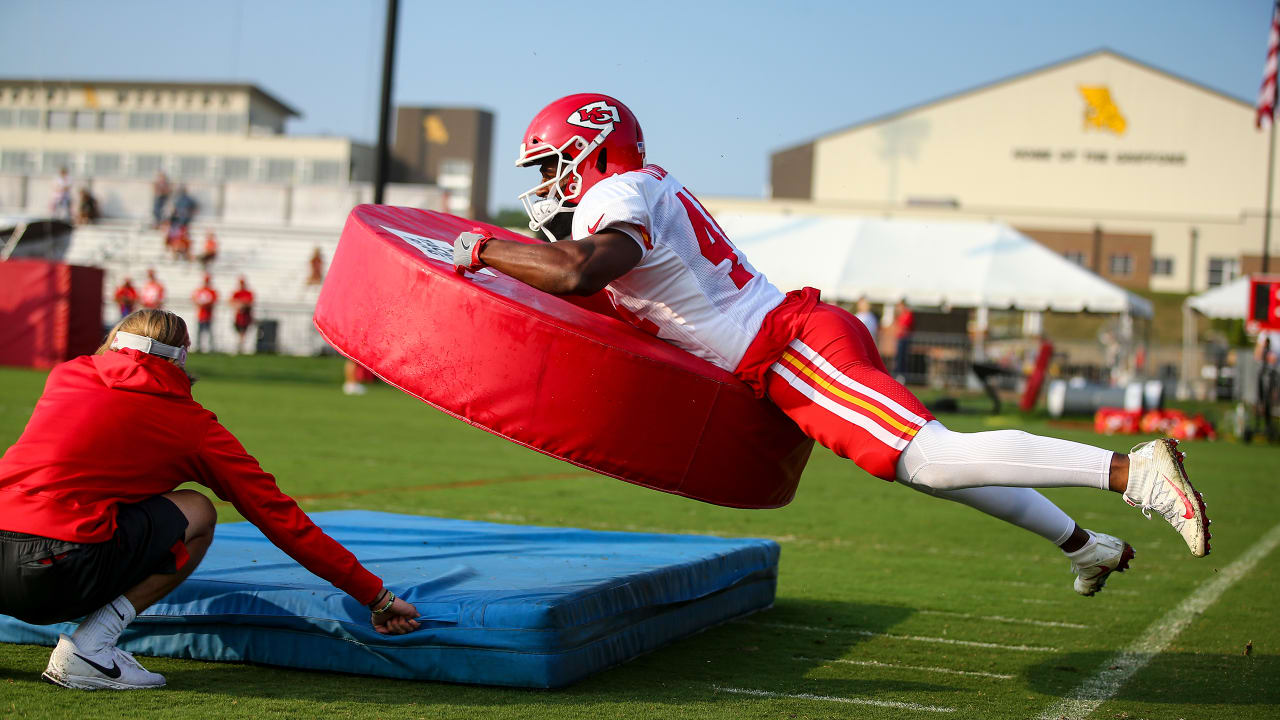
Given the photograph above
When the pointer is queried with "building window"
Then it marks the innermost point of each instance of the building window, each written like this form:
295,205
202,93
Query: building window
1074,256
6,117
235,168
148,121
86,120
15,161
54,160
279,170
147,165
1121,265
1223,270
112,121
191,167
326,172
103,164
29,118
1161,266
190,122
229,123
59,120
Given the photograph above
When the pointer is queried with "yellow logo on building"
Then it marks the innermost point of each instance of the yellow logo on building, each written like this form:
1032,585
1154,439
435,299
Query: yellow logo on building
433,127
1100,110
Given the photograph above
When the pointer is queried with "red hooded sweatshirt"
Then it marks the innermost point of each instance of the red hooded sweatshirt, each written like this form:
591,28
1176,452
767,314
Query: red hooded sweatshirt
122,427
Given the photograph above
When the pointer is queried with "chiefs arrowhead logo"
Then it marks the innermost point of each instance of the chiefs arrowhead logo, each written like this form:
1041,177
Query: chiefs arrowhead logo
598,115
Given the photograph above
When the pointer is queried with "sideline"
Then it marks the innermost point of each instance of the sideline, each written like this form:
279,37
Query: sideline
1086,698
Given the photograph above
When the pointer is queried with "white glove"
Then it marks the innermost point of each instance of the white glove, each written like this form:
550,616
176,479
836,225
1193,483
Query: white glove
466,249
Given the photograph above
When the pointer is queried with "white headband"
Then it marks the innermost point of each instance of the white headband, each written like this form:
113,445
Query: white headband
150,346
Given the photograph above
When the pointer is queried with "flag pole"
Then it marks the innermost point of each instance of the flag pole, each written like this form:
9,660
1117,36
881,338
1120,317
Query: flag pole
1271,173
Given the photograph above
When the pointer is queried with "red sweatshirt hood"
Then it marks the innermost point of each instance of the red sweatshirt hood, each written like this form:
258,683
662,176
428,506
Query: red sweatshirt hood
139,372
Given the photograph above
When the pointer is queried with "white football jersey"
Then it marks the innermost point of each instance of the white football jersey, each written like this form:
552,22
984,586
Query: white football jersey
692,287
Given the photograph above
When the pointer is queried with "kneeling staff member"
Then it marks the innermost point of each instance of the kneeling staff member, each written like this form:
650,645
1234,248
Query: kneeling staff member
90,522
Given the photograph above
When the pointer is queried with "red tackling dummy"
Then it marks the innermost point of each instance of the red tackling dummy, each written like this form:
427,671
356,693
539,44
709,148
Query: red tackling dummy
562,376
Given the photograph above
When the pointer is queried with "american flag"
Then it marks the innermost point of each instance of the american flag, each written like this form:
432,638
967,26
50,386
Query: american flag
1267,95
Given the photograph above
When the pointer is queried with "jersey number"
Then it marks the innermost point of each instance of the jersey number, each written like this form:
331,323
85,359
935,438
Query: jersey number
712,241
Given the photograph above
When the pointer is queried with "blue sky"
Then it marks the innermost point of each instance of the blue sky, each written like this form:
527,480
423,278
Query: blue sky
717,85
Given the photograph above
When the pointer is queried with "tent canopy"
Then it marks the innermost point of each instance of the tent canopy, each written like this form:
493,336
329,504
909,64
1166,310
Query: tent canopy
1225,301
926,262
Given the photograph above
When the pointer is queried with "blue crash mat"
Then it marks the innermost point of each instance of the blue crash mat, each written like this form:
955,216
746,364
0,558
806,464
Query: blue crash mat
500,604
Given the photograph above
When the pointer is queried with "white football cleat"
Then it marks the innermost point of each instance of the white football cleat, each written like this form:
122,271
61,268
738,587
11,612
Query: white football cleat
1158,481
111,669
1099,557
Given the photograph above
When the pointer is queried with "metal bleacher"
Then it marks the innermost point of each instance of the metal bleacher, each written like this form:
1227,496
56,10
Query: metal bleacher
274,260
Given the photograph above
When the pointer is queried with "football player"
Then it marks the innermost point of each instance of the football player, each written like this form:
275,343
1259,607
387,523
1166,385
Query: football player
631,229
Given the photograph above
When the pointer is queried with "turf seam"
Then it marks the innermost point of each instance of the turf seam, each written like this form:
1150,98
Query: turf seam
898,705
894,636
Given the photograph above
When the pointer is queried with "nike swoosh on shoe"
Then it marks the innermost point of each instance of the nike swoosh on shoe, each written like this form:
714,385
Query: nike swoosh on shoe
112,672
1191,511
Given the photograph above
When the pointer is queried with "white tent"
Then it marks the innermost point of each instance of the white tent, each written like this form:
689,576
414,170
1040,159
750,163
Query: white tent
1225,301
1230,301
961,264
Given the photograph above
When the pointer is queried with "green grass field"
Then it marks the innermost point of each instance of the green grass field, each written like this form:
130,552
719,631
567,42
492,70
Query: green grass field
890,604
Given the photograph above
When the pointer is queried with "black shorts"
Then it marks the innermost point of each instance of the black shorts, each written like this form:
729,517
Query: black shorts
44,581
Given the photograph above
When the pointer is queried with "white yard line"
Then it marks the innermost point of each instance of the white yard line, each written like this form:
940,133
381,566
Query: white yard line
892,636
921,668
1103,686
829,698
1001,618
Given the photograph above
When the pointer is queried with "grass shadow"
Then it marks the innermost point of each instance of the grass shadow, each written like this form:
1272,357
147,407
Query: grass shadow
1199,678
771,651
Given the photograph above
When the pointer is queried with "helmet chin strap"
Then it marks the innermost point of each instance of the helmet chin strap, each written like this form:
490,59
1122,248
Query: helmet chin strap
131,341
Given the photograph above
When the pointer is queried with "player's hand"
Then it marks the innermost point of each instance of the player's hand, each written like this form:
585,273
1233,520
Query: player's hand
466,249
397,620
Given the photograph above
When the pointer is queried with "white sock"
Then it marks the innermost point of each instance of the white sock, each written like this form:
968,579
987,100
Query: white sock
1023,507
944,460
102,628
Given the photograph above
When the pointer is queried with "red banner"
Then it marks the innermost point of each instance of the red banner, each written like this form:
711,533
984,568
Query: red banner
50,312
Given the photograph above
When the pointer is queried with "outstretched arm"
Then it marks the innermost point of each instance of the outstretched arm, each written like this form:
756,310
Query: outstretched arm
568,267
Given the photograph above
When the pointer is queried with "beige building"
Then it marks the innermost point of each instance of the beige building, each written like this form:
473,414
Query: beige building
227,143
196,132
1154,181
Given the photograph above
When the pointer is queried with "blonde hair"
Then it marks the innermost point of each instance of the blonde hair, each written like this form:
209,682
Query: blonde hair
160,325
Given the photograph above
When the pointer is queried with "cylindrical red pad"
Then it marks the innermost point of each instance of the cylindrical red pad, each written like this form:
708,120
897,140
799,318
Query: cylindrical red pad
548,373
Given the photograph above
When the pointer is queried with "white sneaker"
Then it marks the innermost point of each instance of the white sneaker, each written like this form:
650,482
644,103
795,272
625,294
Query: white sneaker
111,669
1099,557
353,388
1158,481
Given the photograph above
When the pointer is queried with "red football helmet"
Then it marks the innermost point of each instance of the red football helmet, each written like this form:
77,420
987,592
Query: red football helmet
592,137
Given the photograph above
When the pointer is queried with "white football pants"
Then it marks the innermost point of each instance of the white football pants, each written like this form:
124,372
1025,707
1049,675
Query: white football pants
994,472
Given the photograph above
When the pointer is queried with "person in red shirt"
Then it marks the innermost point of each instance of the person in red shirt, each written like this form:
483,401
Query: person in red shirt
317,268
210,250
91,522
204,298
152,295
904,323
242,301
126,297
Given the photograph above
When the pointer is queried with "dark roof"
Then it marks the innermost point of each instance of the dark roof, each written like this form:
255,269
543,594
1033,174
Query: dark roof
1011,78
152,85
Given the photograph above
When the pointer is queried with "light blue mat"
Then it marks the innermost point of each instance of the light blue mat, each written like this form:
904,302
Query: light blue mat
500,604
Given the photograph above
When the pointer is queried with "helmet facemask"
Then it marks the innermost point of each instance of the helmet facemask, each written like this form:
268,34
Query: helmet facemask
542,210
